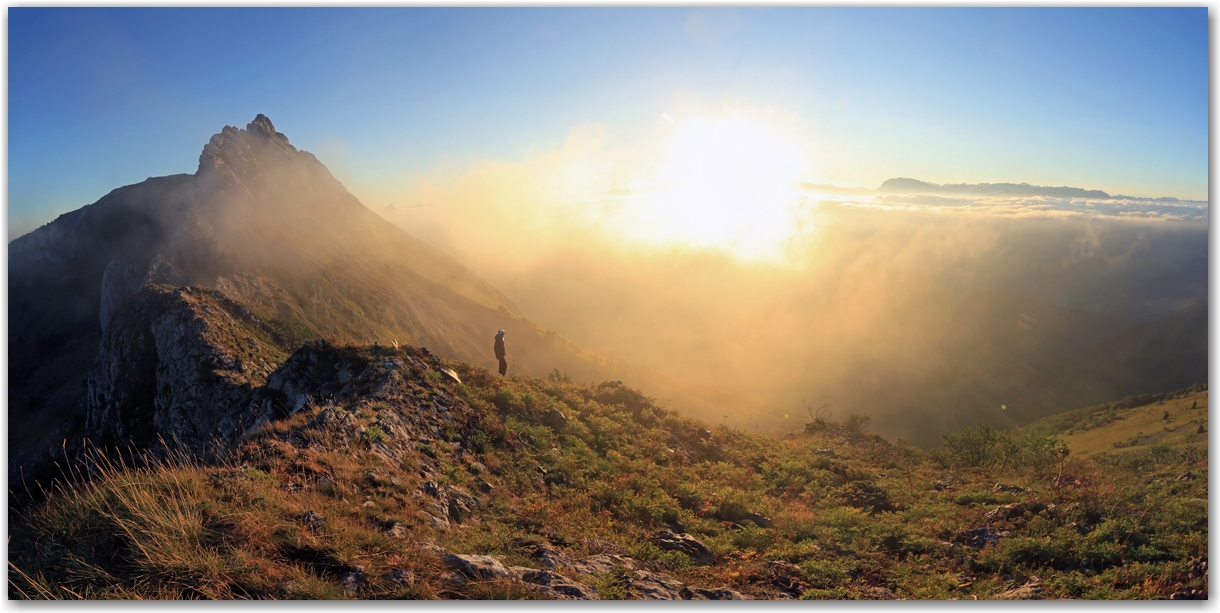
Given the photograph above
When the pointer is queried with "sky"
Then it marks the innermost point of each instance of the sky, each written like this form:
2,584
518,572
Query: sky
393,100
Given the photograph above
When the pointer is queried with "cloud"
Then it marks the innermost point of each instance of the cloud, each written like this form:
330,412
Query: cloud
865,308
1034,206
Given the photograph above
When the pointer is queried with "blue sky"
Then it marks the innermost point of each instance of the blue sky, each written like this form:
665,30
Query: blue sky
1111,99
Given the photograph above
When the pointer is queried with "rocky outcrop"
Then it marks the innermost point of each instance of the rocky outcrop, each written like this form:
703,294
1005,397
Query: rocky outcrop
638,583
178,365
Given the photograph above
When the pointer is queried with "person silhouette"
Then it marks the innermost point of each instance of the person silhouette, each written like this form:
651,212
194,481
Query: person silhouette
500,352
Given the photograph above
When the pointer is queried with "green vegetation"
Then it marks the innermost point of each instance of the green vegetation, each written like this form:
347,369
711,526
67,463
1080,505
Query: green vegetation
306,509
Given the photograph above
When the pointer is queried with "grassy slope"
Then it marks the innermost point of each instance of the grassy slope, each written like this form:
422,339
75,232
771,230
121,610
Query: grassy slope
867,517
1138,429
1132,425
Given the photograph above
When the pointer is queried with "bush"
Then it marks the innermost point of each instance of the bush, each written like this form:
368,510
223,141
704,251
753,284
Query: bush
856,424
979,447
866,496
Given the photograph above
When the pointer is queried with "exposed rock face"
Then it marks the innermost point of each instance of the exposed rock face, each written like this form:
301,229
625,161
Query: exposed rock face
119,282
181,365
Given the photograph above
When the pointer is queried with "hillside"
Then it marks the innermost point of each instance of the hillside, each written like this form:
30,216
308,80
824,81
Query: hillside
390,473
1134,425
266,226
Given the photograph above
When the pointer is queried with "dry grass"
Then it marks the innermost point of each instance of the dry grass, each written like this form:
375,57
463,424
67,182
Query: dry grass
864,517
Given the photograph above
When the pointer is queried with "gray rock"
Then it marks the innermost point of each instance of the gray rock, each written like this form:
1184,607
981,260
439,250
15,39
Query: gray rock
461,504
559,586
177,365
314,521
436,521
401,576
352,578
482,568
550,557
648,585
119,282
603,563
685,543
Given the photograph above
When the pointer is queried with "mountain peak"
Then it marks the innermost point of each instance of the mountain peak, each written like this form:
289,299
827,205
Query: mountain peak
261,126
243,150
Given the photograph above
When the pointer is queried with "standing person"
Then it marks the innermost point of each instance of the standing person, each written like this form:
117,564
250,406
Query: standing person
500,352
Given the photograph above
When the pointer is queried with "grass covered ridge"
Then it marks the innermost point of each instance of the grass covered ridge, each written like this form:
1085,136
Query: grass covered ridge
335,501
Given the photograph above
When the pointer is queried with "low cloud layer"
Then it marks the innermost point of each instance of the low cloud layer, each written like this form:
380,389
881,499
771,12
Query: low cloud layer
926,311
1029,206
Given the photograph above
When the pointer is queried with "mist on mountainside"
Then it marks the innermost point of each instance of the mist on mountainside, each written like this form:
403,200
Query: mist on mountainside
928,317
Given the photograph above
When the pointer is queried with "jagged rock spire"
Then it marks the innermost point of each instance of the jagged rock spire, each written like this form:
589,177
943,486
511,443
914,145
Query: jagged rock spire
242,151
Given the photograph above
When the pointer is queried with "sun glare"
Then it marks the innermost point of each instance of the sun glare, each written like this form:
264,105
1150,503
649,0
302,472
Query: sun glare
728,183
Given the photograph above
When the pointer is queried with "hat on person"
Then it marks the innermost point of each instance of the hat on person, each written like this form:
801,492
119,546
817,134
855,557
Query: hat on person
499,334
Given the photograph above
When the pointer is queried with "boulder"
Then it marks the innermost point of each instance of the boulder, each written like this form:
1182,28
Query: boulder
685,543
558,586
647,585
481,568
461,504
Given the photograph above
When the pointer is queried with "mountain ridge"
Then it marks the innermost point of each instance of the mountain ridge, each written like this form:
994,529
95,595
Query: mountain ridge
267,226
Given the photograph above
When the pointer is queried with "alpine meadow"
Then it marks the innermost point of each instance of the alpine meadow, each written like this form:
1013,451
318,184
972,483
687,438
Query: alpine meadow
614,303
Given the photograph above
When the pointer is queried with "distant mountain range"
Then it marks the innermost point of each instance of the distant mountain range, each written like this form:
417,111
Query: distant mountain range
915,186
903,185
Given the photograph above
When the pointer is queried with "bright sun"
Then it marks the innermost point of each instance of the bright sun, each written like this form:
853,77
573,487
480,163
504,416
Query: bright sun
728,183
